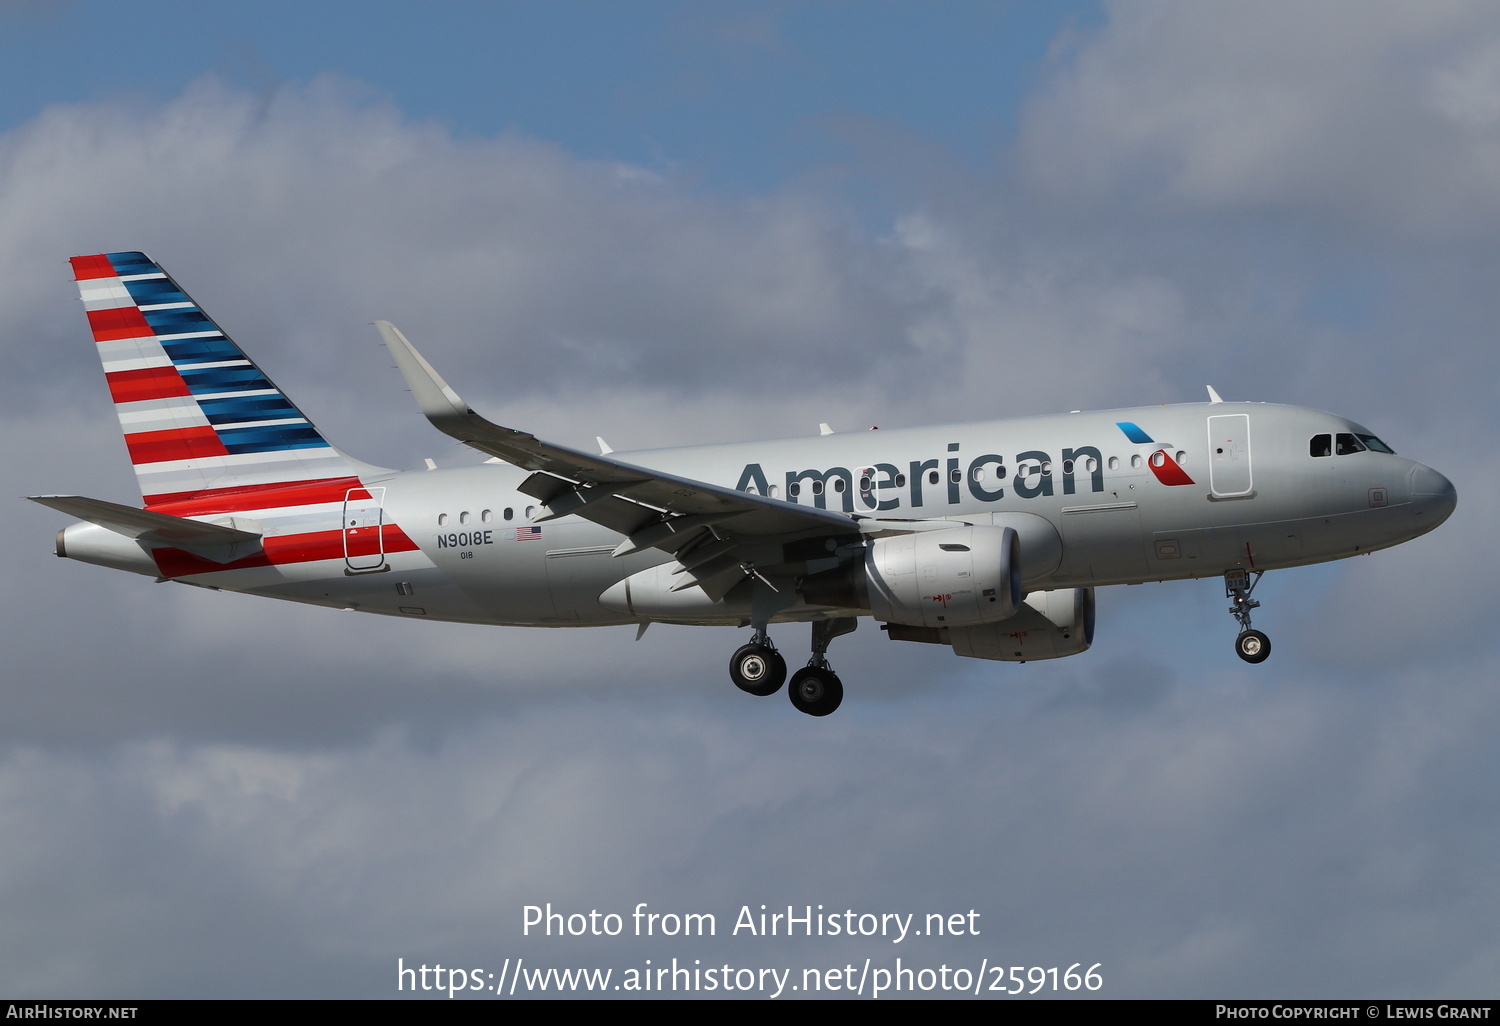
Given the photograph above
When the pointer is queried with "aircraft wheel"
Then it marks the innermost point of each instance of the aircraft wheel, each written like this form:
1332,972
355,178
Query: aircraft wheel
815,691
1252,646
758,670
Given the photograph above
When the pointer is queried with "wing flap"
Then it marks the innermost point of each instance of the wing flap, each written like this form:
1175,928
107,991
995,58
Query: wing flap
692,575
573,500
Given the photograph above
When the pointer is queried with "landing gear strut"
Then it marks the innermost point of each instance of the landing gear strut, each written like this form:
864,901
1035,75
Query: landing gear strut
1251,645
757,668
816,689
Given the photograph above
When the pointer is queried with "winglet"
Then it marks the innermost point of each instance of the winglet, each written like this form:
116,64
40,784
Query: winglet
1213,397
446,411
438,401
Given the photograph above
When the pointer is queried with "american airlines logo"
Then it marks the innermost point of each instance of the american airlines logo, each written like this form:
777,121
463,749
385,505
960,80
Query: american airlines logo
881,487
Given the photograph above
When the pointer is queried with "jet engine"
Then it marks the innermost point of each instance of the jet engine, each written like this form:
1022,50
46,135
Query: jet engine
957,576
1049,625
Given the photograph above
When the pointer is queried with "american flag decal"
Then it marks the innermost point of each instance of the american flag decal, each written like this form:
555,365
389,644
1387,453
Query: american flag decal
529,533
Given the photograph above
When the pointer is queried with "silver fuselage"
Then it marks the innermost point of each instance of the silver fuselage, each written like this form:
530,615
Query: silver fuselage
1241,489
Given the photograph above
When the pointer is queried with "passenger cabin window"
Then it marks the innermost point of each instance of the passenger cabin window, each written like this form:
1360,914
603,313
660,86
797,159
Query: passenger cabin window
442,520
508,513
1321,445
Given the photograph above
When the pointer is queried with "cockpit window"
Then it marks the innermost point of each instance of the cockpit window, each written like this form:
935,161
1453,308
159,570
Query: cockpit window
1344,443
1347,443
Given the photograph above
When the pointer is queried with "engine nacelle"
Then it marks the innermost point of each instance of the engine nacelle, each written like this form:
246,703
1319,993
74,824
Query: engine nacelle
954,577
1049,625
90,543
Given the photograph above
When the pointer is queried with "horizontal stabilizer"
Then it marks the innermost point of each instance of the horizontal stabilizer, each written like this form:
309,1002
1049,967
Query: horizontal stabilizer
215,542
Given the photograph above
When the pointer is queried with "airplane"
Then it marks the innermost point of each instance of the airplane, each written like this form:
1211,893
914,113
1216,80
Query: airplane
989,538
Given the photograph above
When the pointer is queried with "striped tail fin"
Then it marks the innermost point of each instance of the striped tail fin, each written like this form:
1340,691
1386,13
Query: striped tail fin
200,418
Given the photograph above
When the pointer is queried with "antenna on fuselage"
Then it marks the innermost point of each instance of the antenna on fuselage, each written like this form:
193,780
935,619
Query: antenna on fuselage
1213,397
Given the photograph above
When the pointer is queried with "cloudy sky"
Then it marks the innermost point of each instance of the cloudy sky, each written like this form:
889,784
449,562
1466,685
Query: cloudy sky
664,222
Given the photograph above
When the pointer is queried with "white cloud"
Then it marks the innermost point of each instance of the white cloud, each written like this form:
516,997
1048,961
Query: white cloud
1379,114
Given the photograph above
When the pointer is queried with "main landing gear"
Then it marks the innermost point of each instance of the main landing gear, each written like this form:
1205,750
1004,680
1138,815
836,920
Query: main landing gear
1251,646
816,690
758,668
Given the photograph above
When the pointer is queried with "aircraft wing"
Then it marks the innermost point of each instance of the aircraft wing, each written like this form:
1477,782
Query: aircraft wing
654,509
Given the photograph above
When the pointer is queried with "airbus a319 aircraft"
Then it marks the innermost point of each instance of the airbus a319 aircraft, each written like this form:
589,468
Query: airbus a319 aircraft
989,538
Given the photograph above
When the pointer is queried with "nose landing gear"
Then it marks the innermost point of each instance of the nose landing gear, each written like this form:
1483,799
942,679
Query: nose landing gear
1251,645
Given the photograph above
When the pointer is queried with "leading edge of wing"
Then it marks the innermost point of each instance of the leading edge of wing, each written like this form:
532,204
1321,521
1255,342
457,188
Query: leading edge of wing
447,411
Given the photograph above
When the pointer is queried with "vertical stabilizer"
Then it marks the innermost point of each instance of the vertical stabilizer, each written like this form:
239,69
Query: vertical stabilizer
199,417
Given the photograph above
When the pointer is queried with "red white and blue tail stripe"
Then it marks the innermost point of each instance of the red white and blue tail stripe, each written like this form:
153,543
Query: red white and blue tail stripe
199,417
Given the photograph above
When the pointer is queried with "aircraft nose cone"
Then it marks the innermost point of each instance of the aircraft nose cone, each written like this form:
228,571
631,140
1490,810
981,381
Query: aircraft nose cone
1433,495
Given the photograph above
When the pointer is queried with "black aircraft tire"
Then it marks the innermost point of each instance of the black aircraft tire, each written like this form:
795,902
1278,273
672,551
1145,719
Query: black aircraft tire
815,691
1252,646
757,670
